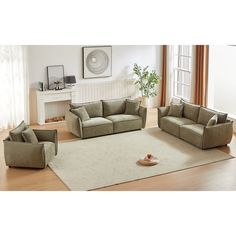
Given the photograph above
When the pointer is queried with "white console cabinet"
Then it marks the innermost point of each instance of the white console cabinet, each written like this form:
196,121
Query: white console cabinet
49,96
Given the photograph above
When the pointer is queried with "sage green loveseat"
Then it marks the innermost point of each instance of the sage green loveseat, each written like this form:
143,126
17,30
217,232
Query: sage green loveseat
192,126
105,117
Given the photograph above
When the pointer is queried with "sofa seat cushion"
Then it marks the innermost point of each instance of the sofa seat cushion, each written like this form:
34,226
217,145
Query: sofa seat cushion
171,124
97,126
192,134
123,122
95,122
113,107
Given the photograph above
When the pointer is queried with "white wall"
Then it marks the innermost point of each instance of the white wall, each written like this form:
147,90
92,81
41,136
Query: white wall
222,79
123,58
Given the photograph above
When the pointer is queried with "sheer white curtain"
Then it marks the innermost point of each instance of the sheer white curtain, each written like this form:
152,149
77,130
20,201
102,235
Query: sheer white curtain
14,86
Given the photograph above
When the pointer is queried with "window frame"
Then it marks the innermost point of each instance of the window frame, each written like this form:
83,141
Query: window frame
179,68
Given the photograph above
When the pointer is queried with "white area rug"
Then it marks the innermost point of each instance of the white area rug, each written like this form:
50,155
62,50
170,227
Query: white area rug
108,160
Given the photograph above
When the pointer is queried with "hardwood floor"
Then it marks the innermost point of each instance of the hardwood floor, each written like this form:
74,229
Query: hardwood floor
215,176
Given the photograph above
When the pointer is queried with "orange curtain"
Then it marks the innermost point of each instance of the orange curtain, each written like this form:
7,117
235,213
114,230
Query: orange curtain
164,73
201,74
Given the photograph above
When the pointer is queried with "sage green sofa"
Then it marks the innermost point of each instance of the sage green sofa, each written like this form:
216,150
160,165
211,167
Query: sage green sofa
105,117
192,126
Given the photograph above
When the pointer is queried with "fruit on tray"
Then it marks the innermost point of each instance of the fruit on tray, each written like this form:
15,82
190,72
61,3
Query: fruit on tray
148,157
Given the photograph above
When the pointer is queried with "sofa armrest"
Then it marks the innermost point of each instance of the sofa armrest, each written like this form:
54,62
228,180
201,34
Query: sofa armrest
74,124
21,154
47,135
162,111
143,114
217,135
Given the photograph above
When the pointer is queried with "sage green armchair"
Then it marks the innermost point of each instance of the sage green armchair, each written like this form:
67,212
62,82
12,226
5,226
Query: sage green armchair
29,155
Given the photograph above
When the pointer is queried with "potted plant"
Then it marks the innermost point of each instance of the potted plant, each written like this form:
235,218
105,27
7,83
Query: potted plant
147,82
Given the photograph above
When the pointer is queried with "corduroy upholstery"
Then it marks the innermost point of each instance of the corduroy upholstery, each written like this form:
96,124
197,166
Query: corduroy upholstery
192,127
112,120
29,155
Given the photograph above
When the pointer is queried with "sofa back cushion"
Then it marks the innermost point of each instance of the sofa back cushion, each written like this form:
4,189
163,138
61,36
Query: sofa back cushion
191,111
16,134
206,114
113,107
94,109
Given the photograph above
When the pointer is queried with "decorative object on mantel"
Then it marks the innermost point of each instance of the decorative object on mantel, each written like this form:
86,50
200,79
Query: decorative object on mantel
97,61
55,77
55,119
147,82
70,81
40,86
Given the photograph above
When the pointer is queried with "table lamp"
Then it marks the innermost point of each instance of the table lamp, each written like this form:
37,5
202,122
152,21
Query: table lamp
70,81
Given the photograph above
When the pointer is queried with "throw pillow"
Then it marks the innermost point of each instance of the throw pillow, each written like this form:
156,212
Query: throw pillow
94,109
15,134
213,120
29,136
132,107
176,110
81,113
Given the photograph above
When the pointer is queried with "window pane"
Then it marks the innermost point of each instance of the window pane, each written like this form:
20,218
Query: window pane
179,90
176,50
176,61
184,62
178,76
185,50
186,92
187,78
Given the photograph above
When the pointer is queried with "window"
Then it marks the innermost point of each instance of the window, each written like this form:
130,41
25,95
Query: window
182,67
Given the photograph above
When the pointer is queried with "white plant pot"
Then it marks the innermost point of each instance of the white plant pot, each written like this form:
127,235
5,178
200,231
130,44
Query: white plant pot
147,102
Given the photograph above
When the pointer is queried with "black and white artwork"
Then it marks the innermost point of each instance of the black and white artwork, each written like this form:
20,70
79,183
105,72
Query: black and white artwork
55,76
97,62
